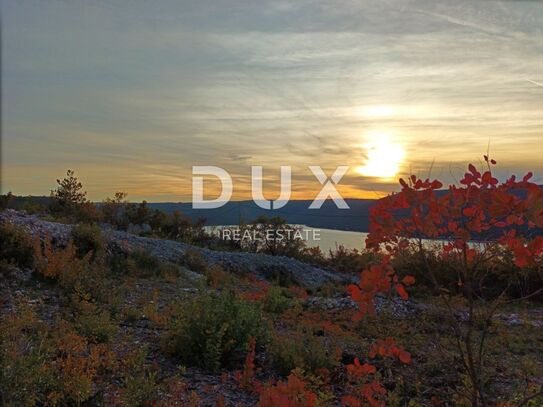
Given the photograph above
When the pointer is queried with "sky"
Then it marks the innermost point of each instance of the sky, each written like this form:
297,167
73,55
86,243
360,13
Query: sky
132,94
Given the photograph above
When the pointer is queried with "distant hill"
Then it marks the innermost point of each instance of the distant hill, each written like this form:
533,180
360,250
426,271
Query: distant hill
295,212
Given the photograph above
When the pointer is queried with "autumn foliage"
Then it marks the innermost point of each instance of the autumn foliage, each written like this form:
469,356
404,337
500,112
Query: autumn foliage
501,216
480,209
378,279
292,393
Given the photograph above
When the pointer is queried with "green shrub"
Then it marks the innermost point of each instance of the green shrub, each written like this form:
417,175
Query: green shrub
145,263
139,380
346,260
208,329
277,300
24,375
500,273
302,350
141,263
16,246
95,324
88,238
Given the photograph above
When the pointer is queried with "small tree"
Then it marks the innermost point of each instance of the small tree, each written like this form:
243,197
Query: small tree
274,236
502,217
69,192
113,209
71,200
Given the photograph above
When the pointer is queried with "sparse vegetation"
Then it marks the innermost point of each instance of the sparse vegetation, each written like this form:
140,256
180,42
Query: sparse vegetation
16,246
88,239
206,330
304,350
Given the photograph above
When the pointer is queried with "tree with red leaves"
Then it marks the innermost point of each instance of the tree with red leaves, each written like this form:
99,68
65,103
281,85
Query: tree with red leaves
501,217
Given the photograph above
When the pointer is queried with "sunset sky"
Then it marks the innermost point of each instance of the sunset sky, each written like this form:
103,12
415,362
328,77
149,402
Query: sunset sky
131,94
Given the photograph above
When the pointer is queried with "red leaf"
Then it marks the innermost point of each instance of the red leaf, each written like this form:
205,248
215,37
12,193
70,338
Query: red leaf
528,176
355,293
401,292
404,356
408,280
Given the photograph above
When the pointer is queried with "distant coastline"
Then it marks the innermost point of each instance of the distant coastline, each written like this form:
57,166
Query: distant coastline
328,216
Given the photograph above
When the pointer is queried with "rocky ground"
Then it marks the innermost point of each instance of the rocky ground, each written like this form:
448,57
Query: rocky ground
260,265
140,292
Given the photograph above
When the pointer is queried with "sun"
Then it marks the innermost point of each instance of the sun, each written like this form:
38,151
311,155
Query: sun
383,157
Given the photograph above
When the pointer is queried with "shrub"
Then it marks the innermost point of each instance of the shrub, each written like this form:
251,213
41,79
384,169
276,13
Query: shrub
76,366
16,246
58,263
292,393
506,216
93,323
5,200
145,263
46,365
141,263
113,210
277,300
273,236
302,350
194,261
179,226
79,279
139,380
208,329
88,239
344,260
216,277
87,213
25,376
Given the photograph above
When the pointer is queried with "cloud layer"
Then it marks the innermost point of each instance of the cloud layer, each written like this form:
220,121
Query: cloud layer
132,94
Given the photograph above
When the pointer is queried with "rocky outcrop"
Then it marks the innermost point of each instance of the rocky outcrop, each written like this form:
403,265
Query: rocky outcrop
263,266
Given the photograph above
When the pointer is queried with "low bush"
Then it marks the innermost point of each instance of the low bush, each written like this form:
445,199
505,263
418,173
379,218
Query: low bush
208,329
194,261
88,239
16,246
93,323
217,277
141,263
346,260
46,365
302,350
58,263
277,300
80,280
500,275
140,383
292,393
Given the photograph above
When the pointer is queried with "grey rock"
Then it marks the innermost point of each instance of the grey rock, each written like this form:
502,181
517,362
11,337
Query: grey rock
262,266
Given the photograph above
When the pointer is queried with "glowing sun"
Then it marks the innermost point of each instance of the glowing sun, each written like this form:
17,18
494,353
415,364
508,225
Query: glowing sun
383,157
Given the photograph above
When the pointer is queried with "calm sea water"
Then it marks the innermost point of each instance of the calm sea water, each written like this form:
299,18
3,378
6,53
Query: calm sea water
328,239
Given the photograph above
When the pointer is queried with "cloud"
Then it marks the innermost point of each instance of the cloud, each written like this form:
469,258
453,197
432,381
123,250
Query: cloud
133,95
